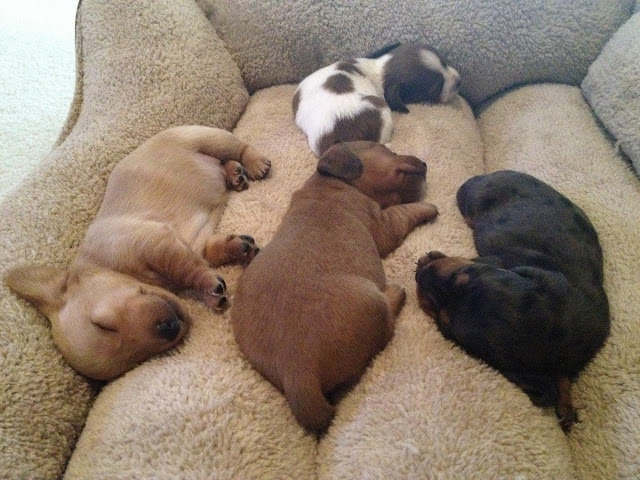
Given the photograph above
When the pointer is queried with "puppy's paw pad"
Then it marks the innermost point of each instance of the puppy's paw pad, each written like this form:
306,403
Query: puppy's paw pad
259,168
242,248
237,176
217,303
214,294
219,288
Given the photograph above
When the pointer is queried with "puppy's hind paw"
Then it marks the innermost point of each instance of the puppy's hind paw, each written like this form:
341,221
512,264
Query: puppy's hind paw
257,165
237,176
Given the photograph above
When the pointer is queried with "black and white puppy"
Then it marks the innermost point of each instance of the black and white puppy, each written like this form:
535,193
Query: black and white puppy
353,99
533,306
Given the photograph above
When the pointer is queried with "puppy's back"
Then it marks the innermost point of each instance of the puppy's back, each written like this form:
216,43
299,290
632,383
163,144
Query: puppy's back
525,221
314,289
340,103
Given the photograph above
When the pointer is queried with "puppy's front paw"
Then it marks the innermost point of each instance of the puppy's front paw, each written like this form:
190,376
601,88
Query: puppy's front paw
215,295
241,248
231,249
237,176
429,212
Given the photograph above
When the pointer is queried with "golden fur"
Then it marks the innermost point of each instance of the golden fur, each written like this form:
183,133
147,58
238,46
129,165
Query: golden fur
154,235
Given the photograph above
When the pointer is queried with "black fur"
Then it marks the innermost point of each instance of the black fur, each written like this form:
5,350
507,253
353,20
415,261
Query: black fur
532,305
407,80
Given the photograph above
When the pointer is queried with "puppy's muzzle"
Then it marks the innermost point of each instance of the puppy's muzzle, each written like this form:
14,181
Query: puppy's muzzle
169,328
172,322
434,278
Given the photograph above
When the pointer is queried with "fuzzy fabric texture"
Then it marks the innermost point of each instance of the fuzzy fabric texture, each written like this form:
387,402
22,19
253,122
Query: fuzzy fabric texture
567,150
124,95
494,44
408,403
612,87
424,409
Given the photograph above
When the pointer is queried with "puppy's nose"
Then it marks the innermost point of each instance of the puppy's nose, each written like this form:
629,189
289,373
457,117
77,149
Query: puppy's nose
456,83
170,327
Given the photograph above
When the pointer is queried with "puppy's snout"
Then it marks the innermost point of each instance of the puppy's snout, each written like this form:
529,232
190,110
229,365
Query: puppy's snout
169,328
456,83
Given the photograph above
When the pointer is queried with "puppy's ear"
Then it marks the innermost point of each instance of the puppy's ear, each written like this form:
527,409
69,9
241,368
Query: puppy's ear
392,96
411,165
42,286
549,281
338,161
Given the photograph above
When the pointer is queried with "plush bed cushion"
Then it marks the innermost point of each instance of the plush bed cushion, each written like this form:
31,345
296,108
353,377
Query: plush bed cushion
612,87
124,94
421,404
495,44
568,150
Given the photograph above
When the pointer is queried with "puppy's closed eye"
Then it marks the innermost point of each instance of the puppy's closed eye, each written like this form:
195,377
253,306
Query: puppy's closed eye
104,327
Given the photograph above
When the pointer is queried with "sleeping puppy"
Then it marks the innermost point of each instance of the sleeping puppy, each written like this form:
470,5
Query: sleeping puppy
352,100
533,305
154,235
314,307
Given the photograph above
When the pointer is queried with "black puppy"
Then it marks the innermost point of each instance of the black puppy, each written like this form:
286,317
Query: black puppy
532,305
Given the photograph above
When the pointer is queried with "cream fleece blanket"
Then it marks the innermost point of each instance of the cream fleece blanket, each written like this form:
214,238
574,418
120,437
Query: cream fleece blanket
424,409
611,88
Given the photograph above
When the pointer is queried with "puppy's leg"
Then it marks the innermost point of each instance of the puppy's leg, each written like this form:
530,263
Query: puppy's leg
396,222
225,146
396,297
221,249
166,255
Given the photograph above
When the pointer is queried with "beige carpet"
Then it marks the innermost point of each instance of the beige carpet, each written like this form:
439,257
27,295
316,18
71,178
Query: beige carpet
37,76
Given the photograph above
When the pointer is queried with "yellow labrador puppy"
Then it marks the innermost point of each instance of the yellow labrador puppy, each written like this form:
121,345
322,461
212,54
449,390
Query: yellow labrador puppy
154,235
314,307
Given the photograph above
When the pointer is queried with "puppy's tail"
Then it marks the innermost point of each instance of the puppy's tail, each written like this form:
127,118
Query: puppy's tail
309,405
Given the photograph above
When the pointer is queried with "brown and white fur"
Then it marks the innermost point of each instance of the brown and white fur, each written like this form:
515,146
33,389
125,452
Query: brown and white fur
353,100
154,235
314,307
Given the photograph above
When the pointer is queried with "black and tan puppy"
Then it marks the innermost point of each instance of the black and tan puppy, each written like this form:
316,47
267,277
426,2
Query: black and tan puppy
533,305
314,306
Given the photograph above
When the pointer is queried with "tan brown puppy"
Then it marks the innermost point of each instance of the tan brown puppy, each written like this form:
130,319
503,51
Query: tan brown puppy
314,307
153,236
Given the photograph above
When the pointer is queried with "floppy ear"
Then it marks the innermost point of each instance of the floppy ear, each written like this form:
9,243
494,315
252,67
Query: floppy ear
409,166
392,96
338,161
42,286
553,282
